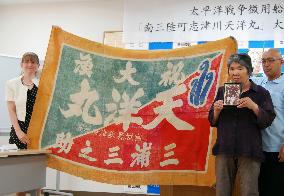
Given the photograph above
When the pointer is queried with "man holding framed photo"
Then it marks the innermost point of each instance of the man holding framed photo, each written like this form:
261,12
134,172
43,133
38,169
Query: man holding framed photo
238,148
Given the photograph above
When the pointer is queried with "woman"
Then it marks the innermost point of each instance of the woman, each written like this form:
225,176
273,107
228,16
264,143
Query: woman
238,147
20,96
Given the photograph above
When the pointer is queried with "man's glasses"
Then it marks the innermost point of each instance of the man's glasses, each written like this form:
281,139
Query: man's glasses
269,60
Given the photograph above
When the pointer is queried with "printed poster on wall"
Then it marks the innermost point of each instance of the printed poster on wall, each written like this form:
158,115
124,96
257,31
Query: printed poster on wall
193,21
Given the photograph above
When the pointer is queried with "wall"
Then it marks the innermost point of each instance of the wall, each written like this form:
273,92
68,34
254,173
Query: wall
12,69
26,27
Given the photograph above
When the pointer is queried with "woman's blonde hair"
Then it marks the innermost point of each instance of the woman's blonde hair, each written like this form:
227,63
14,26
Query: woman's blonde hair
30,56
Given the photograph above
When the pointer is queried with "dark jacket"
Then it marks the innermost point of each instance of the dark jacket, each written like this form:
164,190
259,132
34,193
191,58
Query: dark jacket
239,129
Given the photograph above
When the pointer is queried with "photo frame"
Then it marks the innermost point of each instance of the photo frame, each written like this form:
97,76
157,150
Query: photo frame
232,92
114,39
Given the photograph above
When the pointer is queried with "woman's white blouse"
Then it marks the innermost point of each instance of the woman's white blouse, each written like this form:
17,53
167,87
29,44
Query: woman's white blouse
17,92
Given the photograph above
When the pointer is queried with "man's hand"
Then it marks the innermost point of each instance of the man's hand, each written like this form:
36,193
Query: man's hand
281,154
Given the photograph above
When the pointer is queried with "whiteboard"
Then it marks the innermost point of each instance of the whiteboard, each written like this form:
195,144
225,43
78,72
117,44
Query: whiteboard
10,68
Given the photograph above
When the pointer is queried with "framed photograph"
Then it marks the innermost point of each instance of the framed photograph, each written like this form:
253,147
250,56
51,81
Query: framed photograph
232,93
114,39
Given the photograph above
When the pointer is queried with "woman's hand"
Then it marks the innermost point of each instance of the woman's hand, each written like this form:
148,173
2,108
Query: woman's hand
246,102
23,137
218,106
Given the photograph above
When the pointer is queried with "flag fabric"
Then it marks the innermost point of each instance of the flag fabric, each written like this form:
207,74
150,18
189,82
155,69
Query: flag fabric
127,116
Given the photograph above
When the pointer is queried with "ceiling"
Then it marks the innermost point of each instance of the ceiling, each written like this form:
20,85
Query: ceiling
13,2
